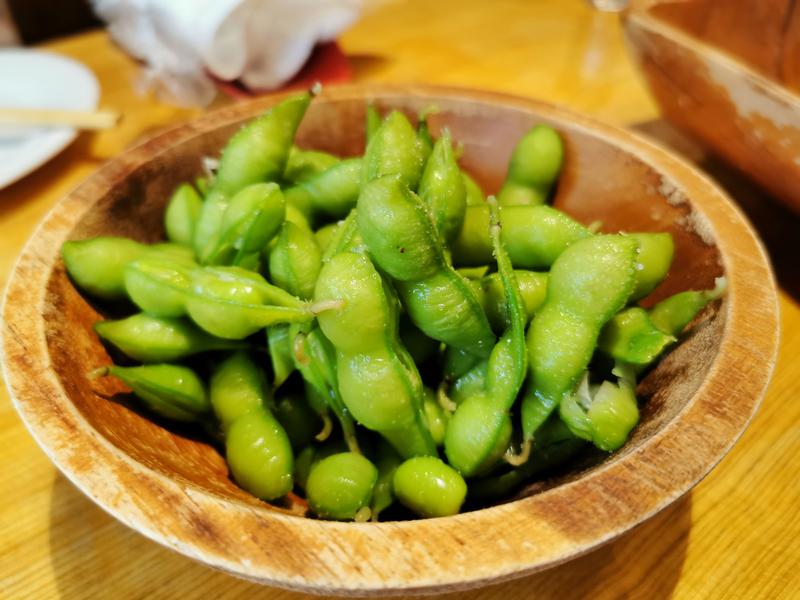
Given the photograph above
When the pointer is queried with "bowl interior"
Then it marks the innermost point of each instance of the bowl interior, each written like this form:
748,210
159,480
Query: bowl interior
601,182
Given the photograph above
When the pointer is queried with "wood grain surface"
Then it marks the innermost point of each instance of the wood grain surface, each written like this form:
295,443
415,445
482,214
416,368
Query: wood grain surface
733,536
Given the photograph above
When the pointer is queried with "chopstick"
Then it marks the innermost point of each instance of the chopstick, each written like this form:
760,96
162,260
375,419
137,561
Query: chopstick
81,119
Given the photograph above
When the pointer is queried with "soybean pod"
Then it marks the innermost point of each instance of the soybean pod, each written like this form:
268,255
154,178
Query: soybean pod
403,242
479,432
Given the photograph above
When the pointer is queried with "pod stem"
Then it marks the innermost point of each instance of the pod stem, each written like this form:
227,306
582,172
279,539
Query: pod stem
326,305
327,428
517,460
444,400
363,514
98,373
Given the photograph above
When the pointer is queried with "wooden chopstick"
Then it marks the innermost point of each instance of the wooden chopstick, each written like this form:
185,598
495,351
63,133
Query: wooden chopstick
81,119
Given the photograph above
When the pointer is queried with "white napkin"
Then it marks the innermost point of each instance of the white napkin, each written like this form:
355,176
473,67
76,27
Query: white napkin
261,42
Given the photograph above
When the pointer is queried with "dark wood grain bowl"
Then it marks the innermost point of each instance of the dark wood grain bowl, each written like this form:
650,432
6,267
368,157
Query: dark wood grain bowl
173,487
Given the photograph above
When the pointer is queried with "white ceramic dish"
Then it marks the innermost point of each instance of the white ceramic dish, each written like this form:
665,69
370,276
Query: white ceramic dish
36,79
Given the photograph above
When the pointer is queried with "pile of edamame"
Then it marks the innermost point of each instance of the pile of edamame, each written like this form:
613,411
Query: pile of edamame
373,334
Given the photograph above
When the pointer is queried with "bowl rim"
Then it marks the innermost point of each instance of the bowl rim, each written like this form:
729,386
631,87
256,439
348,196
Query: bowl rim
444,558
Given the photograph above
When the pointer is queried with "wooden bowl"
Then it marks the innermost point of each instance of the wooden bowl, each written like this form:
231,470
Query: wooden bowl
173,487
728,72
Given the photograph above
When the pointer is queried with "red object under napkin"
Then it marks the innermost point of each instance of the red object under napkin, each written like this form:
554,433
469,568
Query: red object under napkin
327,64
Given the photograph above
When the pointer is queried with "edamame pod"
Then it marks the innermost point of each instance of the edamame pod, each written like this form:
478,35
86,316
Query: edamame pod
429,487
632,337
479,431
259,455
672,314
532,288
257,153
340,487
180,217
159,286
534,167
159,339
302,165
473,192
604,414
589,283
403,242
379,383
534,236
330,194
295,261
442,189
172,391
257,448
237,388
97,265
280,353
654,259
394,149
252,218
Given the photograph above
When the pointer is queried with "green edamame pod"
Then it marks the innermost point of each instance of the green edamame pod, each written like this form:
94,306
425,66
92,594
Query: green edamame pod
632,337
534,168
302,165
237,388
159,286
256,153
603,414
672,314
311,455
97,265
315,358
233,303
259,455
435,417
183,210
403,242
295,261
589,282
534,236
424,134
372,122
470,383
429,487
395,149
340,487
442,189
280,353
378,381
479,431
655,257
325,234
257,448
330,194
172,391
532,288
474,193
252,218
159,339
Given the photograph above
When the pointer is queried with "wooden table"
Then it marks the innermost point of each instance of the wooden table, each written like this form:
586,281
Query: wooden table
735,535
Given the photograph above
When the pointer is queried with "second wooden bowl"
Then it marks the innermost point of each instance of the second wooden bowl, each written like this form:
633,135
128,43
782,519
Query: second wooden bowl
173,487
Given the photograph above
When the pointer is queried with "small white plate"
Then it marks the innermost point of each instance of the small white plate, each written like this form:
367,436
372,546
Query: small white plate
35,79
